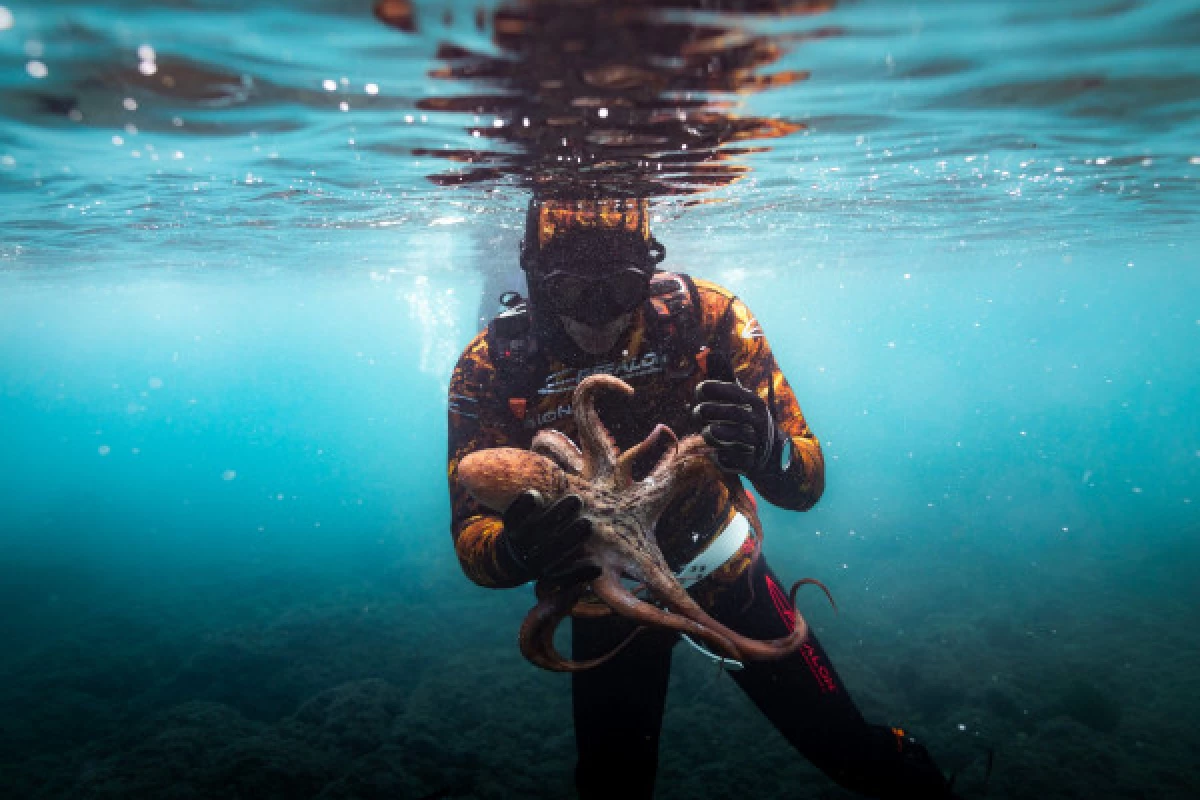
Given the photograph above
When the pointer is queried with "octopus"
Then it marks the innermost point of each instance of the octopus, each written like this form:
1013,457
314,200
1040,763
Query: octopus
623,514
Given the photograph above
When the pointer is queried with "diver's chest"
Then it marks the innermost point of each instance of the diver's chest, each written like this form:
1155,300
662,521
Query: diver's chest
661,395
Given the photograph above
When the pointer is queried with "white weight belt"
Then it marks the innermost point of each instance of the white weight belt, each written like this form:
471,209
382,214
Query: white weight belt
713,557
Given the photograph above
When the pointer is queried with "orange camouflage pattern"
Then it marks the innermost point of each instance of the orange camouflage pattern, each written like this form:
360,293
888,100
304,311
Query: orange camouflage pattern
557,216
485,413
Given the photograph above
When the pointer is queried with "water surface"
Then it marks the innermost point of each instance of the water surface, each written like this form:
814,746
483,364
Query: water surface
229,307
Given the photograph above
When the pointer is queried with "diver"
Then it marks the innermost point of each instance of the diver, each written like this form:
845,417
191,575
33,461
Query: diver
699,362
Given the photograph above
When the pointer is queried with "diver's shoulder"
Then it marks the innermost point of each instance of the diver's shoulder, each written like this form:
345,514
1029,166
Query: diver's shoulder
713,296
706,289
719,304
478,351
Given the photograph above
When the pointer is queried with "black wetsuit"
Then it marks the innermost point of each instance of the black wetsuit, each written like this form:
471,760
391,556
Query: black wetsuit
619,705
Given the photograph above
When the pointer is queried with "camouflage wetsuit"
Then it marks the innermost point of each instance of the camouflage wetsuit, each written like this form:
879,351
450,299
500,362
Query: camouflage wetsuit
618,706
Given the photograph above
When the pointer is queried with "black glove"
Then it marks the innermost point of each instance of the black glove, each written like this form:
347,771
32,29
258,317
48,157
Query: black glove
735,421
543,536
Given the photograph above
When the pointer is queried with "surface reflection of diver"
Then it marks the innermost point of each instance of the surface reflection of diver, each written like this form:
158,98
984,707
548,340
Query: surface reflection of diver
699,362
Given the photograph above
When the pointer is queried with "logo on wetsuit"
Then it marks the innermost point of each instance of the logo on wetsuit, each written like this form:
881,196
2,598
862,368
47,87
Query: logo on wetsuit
565,380
547,417
819,670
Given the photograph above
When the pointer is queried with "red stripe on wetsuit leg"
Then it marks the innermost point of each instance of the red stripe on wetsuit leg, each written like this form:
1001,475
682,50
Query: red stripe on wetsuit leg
782,605
812,658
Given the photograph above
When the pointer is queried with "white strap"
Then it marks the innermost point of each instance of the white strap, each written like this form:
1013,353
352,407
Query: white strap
724,663
713,557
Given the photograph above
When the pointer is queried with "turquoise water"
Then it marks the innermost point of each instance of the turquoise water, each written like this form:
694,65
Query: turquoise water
229,310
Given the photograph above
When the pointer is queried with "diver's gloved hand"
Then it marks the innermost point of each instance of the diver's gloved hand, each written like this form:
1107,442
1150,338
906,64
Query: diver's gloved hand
735,421
543,536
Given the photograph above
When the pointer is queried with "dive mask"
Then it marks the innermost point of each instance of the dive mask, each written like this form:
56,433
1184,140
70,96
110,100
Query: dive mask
613,290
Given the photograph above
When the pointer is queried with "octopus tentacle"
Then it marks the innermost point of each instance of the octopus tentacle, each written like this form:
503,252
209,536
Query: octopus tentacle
599,450
609,589
558,447
536,638
745,505
675,597
811,582
690,454
624,469
765,650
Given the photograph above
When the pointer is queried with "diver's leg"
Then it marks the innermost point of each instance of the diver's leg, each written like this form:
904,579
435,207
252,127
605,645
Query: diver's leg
807,702
618,708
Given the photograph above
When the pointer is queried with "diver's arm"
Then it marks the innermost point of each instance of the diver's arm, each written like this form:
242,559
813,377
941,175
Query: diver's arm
477,421
793,476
